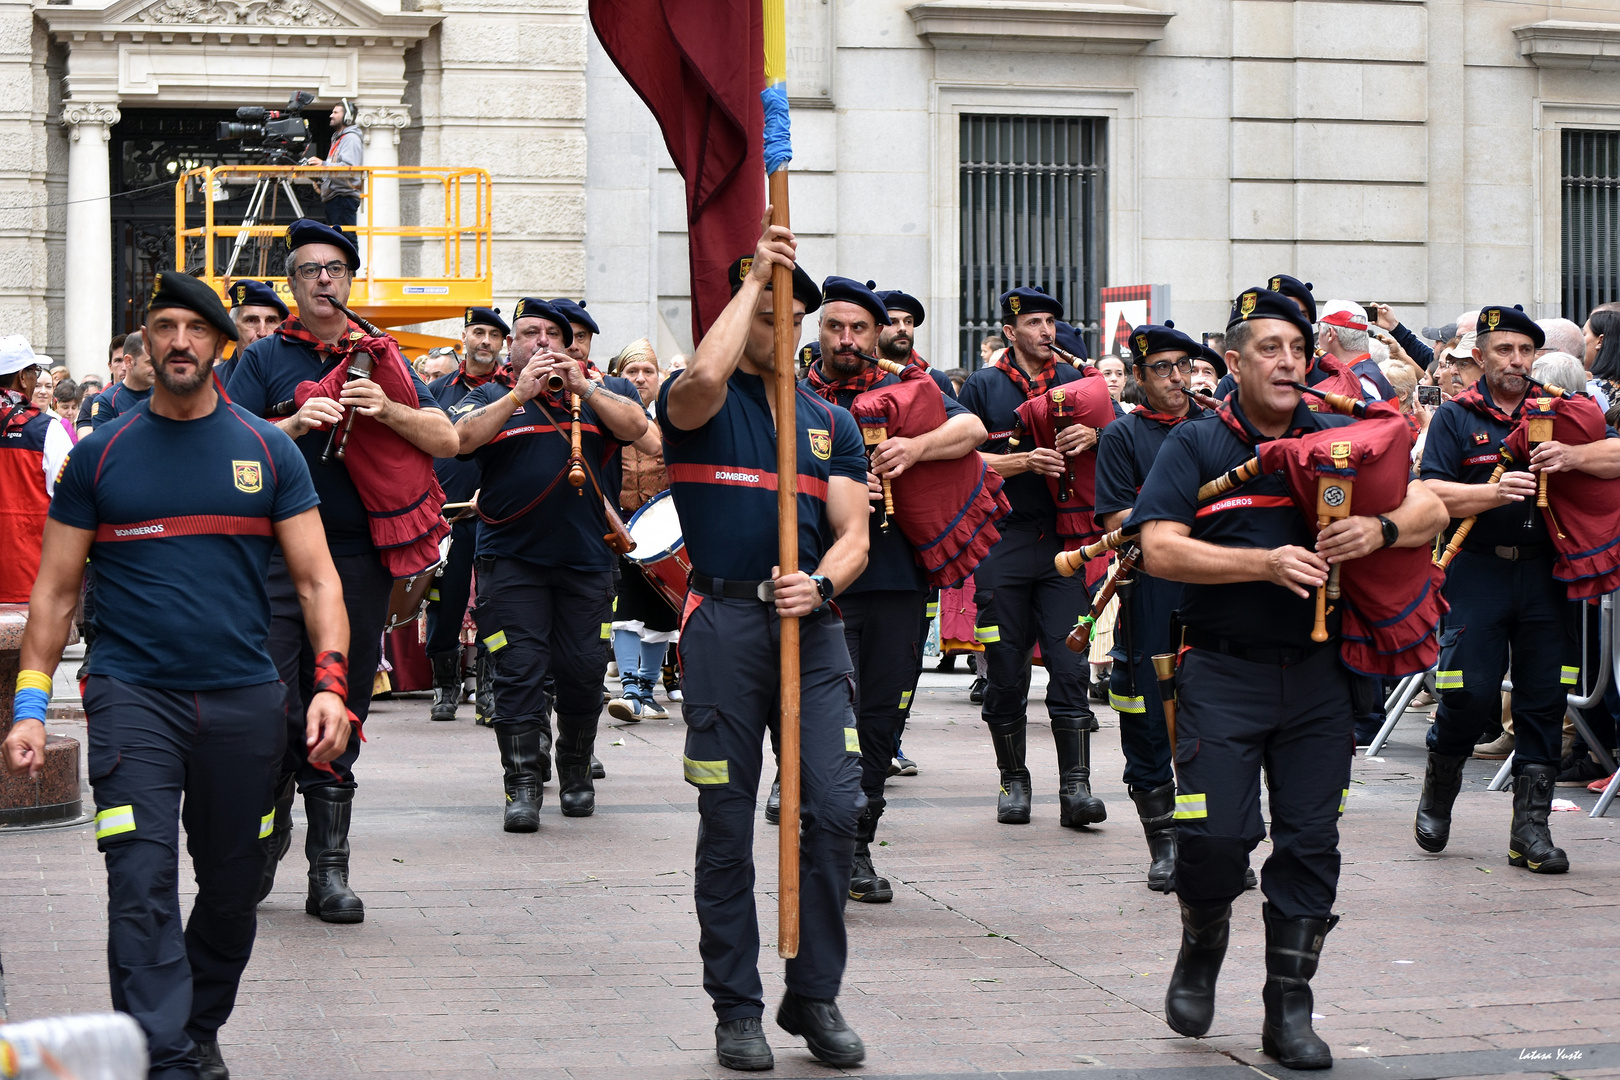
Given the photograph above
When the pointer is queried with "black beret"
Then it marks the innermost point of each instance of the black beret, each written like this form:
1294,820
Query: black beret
1295,289
250,293
804,286
172,289
851,291
1216,359
483,316
1027,300
307,231
1512,319
575,313
530,308
1071,341
1266,304
1152,338
895,300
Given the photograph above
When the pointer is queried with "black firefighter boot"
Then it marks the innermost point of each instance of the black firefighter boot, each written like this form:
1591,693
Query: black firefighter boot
1442,779
280,838
1012,807
1077,806
1293,947
446,686
1189,1002
576,792
865,886
1530,844
523,751
1157,809
327,846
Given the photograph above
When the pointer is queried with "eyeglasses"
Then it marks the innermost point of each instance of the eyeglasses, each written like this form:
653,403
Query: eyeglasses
337,271
1162,368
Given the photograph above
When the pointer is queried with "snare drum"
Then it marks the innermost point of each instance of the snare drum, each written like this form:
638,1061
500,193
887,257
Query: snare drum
660,548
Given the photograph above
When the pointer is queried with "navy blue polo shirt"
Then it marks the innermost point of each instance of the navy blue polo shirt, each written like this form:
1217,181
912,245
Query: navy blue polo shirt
1259,514
1125,456
891,561
459,477
994,398
1462,447
267,375
184,514
566,528
223,369
115,402
723,478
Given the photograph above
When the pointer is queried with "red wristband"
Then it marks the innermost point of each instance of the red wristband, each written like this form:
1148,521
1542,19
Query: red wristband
332,673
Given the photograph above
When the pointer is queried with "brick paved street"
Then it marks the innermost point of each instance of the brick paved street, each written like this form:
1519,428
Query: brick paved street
1033,950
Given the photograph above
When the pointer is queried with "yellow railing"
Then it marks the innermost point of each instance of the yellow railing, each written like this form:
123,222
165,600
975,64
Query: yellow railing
452,257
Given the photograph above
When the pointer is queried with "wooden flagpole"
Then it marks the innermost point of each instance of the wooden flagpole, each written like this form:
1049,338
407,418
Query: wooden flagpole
787,523
787,489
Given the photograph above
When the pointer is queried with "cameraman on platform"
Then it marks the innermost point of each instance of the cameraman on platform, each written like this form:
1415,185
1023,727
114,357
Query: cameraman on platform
340,193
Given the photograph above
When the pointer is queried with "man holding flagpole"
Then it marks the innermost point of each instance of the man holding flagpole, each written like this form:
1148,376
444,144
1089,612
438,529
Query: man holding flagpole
718,419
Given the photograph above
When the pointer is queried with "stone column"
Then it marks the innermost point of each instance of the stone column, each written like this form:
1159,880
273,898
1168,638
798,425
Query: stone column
87,304
380,126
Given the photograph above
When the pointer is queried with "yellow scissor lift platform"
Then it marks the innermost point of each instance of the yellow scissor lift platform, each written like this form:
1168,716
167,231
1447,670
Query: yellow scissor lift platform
452,256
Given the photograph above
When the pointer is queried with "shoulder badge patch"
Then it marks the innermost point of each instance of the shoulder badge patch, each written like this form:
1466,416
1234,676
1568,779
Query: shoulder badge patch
248,476
820,442
1480,438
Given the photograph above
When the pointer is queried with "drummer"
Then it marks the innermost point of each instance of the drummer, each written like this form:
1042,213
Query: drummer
644,622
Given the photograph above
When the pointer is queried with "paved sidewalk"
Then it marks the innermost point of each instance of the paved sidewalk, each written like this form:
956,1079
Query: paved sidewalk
1032,950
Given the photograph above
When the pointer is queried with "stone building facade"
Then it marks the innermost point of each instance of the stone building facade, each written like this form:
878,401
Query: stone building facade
1411,151
1407,151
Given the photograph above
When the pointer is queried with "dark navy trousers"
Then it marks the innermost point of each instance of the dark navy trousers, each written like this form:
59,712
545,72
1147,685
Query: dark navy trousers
448,596
1500,607
1023,601
730,685
159,759
880,629
1133,689
366,585
1235,718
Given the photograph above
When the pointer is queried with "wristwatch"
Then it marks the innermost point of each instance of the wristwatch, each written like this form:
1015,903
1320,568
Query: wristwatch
1392,531
824,586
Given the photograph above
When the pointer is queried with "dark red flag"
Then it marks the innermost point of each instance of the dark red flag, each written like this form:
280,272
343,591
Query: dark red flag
700,66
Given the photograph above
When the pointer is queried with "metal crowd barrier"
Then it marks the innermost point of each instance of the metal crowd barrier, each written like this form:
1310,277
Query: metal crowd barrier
1592,687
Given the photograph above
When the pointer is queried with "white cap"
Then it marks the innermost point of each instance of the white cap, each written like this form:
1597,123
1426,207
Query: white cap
16,354
1464,349
1343,313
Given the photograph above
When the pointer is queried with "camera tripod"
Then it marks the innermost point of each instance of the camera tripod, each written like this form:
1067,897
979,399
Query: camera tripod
265,185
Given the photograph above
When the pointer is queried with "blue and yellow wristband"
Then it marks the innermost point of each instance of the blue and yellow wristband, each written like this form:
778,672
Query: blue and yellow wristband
33,696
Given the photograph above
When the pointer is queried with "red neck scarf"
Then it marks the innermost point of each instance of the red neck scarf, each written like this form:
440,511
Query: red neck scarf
1034,387
1477,399
870,375
1166,419
501,375
294,330
1232,415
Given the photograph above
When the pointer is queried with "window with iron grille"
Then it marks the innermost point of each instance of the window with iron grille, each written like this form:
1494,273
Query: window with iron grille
1591,221
1033,206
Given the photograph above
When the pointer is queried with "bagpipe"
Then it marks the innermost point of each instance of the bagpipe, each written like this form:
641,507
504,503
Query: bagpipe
1582,511
395,480
947,509
1391,597
1042,418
